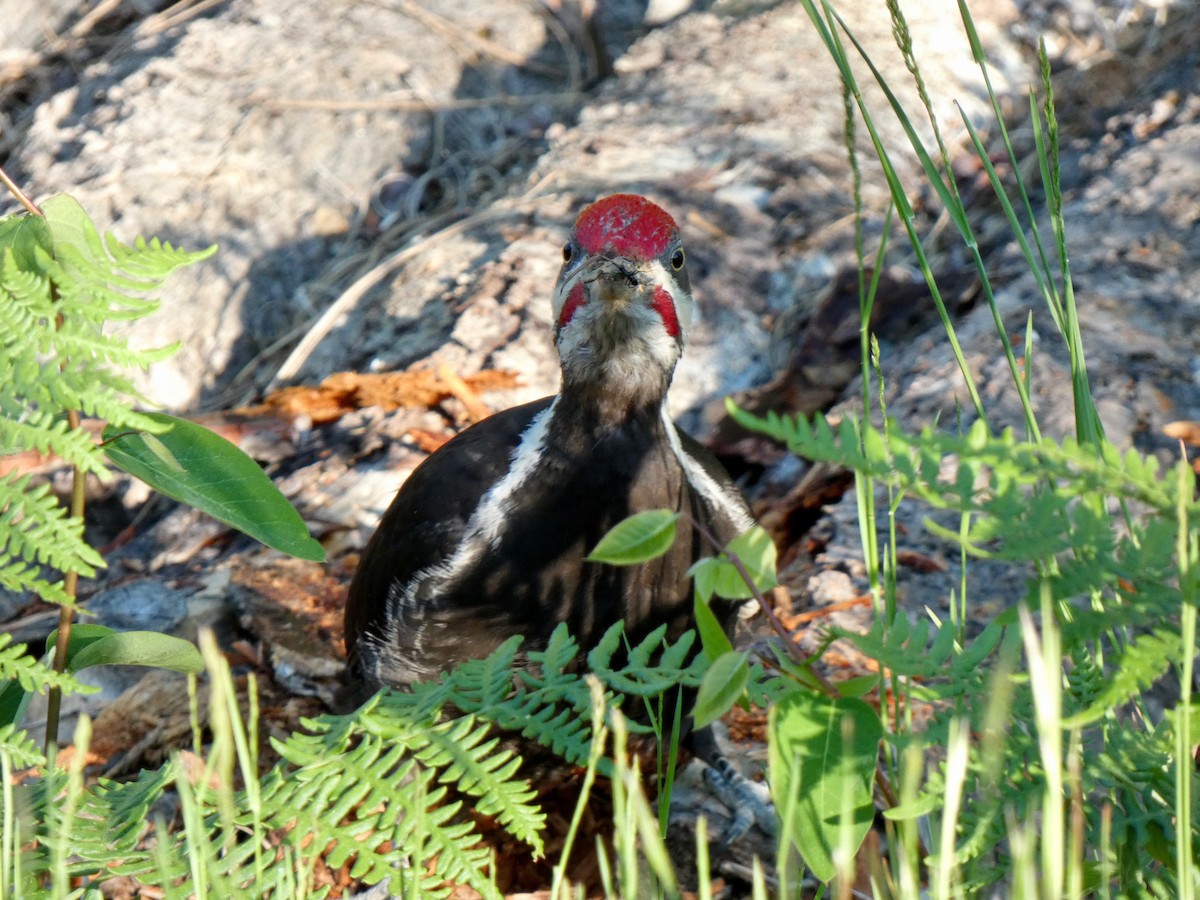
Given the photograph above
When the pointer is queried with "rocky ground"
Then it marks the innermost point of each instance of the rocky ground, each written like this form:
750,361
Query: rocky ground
390,185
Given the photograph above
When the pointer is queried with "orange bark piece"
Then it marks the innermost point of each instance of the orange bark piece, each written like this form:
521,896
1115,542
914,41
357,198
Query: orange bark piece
417,388
794,621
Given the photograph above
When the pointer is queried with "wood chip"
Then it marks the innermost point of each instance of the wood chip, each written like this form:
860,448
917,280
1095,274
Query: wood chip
344,392
792,622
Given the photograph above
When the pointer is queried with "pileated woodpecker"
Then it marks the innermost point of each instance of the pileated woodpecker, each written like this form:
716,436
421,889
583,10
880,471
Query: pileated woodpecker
487,537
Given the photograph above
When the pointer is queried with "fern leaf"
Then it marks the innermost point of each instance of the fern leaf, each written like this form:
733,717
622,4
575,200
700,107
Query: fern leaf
79,341
153,259
26,301
112,822
36,528
17,746
483,769
32,674
393,796
1146,659
640,676
43,431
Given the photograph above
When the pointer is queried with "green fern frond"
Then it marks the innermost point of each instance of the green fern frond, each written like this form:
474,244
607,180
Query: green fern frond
906,649
367,803
18,576
152,260
26,295
99,262
641,677
384,770
481,767
94,295
78,340
1146,658
95,390
990,468
111,822
547,702
34,530
17,664
43,431
381,791
111,404
20,749
60,284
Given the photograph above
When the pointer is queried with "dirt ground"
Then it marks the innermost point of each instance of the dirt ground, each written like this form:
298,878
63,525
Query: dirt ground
389,184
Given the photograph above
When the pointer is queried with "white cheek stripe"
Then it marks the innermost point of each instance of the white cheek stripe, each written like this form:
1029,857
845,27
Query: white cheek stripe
699,479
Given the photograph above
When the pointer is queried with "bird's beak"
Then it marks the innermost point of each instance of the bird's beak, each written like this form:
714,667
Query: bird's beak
614,280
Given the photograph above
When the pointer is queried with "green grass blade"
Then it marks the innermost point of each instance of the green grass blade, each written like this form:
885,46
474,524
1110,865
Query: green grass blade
899,195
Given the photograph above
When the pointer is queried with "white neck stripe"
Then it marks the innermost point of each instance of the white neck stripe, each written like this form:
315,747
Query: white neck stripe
703,483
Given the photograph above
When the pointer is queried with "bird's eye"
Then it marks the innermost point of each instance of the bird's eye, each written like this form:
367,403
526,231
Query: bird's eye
677,259
568,252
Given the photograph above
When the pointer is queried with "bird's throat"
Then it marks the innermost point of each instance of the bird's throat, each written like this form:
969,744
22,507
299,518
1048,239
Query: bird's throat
611,389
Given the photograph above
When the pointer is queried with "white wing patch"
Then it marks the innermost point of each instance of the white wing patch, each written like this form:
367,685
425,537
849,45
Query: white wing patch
482,533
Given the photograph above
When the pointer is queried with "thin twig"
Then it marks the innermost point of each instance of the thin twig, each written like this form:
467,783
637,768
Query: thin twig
477,410
793,650
177,13
353,294
15,190
85,25
350,297
473,42
409,103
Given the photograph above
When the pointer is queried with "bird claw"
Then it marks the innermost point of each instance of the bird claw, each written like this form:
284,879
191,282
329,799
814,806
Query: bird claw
749,801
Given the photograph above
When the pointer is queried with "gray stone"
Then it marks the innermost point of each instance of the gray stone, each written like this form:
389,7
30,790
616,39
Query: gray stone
144,605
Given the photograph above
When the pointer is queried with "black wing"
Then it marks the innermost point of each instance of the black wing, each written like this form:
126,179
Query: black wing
426,520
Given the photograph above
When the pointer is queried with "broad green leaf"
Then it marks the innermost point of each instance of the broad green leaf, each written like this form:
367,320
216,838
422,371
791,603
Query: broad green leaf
718,575
859,686
79,246
83,634
204,470
140,648
72,227
723,683
921,805
822,774
163,453
705,574
757,552
713,638
640,538
13,700
99,645
25,234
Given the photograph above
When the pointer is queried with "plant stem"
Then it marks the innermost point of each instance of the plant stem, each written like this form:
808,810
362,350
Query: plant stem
789,643
16,191
65,613
779,627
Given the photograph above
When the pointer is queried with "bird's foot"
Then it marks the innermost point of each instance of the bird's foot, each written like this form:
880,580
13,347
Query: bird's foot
748,801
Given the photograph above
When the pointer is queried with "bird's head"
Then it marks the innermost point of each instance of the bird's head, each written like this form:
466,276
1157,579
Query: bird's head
622,304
